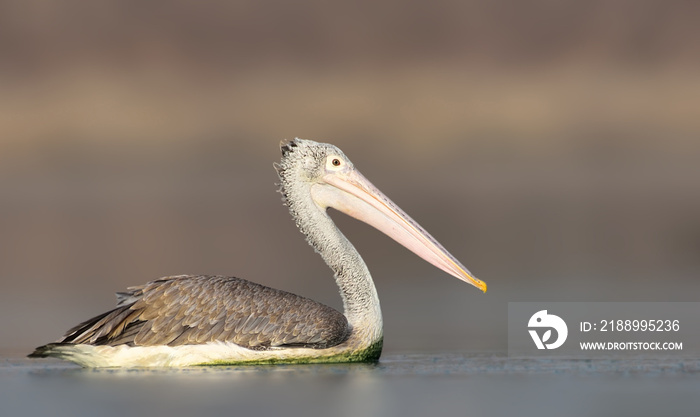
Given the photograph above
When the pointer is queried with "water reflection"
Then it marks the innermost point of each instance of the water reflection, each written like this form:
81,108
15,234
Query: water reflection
399,385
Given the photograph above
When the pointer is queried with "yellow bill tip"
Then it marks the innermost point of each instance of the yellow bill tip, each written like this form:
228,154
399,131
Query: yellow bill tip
471,279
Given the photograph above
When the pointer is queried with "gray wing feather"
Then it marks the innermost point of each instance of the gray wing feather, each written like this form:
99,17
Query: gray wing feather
188,309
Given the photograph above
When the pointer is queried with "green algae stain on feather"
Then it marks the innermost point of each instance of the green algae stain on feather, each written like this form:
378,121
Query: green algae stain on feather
367,355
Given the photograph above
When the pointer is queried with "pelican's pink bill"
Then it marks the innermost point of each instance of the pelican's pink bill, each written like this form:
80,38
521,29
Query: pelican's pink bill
363,201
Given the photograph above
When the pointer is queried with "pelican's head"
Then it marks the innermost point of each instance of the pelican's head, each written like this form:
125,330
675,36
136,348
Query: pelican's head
310,160
331,180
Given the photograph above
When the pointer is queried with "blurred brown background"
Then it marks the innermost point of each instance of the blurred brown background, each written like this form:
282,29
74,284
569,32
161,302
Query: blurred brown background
552,146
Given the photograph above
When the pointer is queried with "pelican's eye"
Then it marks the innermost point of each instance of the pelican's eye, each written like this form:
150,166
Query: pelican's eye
334,163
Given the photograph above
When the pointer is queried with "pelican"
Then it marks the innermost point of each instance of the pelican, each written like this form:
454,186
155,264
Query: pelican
216,320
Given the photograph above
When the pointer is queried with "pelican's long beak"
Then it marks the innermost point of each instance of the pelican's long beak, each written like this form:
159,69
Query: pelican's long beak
362,200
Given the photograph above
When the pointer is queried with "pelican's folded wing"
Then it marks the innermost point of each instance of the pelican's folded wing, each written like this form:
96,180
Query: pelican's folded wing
187,310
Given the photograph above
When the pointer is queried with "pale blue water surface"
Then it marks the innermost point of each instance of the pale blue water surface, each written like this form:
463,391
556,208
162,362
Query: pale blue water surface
425,384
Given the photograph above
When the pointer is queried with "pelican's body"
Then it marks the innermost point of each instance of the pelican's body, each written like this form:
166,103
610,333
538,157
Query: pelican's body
199,320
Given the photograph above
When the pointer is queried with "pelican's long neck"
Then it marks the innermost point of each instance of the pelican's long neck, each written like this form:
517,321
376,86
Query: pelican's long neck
357,290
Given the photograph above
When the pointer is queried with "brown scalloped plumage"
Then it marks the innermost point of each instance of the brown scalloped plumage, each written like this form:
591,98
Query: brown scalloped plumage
187,310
